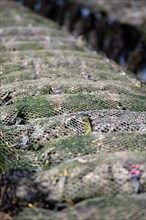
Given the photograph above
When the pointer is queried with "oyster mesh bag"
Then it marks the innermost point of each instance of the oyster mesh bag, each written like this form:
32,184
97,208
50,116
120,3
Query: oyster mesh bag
73,127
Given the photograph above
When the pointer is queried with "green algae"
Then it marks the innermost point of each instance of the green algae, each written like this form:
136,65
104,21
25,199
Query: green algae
71,167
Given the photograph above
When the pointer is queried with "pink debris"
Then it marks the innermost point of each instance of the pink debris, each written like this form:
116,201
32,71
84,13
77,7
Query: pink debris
134,169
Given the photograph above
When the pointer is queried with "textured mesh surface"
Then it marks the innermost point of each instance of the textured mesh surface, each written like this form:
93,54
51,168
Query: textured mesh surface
109,208
72,125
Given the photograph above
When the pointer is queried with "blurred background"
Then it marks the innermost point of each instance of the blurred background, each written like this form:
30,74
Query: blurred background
116,28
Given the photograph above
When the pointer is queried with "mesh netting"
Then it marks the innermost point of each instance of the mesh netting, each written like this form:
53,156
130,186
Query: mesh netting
45,106
73,127
105,208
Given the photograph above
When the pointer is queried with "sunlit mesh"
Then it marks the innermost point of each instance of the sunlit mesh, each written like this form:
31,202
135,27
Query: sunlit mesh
72,125
45,106
56,86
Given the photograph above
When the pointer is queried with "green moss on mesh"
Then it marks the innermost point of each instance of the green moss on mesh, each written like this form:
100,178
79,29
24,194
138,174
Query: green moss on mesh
84,102
75,144
12,76
34,107
101,203
63,71
11,158
12,67
134,102
28,46
62,149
